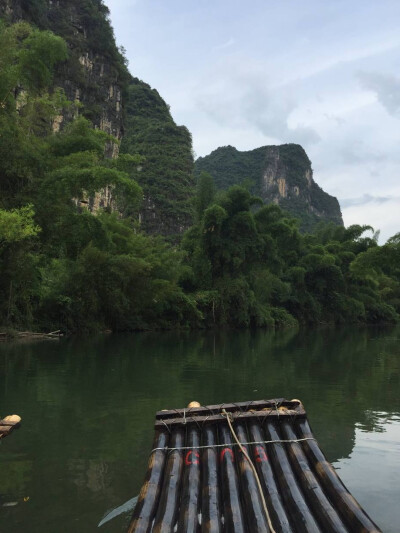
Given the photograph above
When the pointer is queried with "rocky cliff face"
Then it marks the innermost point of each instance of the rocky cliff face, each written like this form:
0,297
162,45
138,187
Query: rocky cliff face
278,174
94,75
96,78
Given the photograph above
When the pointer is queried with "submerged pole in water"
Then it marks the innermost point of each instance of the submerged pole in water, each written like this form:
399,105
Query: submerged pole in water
146,506
353,515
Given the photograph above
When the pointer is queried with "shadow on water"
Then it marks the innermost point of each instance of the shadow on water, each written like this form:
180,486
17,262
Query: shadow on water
88,406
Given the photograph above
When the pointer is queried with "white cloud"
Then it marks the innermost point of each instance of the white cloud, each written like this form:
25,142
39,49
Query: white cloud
383,216
240,95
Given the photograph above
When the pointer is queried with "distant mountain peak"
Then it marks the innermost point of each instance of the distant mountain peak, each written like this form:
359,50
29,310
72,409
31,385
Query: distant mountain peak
278,174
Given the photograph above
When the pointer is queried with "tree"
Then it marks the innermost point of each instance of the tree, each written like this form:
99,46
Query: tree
204,194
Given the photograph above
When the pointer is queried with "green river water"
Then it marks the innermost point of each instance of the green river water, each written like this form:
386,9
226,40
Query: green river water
88,408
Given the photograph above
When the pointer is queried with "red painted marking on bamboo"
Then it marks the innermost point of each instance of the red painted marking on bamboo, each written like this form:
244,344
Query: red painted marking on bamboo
226,450
261,456
189,458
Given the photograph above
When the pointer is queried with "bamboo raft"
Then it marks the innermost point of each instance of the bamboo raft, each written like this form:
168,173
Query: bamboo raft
8,424
200,480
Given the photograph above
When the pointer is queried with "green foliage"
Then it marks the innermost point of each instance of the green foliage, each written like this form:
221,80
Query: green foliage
166,171
230,167
205,193
18,280
127,281
17,225
94,61
27,59
263,272
27,110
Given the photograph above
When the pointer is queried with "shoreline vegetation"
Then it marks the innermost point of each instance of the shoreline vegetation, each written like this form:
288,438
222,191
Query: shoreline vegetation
10,336
242,264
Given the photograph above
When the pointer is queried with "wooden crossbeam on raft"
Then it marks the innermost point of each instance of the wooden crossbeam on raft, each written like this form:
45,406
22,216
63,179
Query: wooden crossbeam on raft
214,413
199,479
8,424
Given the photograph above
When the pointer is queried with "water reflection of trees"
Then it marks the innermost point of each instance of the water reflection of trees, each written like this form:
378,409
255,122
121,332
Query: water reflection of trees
88,405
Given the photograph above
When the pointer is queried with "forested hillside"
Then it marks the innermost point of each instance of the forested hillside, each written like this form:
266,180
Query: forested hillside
241,264
95,78
166,173
277,174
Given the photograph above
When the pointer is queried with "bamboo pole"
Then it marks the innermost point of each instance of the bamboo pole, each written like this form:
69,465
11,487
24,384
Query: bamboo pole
190,501
211,506
253,506
319,503
260,457
233,515
146,506
353,515
302,519
168,507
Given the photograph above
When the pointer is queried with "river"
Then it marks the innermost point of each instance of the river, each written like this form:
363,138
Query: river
88,408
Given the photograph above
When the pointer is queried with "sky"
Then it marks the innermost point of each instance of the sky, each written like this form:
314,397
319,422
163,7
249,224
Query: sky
325,75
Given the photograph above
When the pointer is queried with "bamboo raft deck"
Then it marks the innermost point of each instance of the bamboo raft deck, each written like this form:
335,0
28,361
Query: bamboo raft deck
199,479
8,424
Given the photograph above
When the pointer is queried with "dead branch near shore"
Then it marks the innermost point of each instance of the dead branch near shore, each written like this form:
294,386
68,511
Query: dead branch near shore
52,335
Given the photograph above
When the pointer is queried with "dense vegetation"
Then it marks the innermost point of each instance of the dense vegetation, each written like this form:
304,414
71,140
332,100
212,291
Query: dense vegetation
241,264
166,172
61,265
85,27
250,266
96,78
304,199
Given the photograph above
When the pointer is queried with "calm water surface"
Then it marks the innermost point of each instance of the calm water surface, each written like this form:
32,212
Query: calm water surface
88,408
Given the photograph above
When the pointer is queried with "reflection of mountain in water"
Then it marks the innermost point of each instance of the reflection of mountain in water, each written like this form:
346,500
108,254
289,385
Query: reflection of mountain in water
95,401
